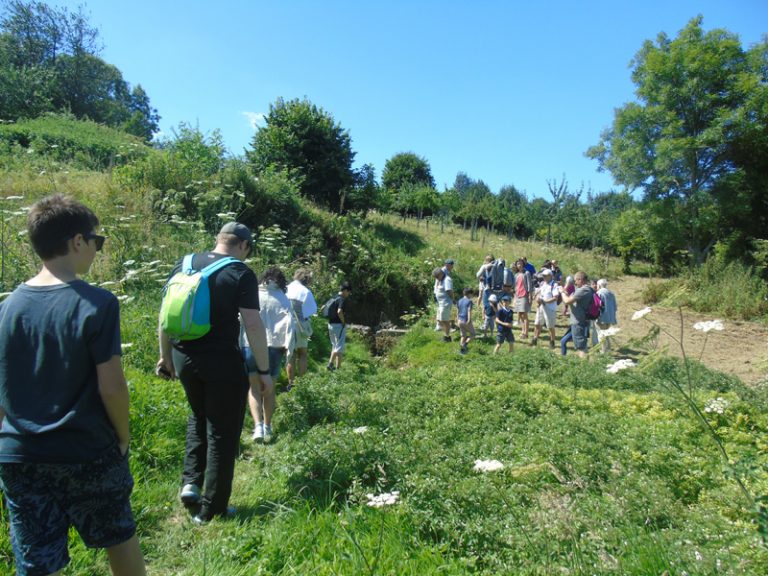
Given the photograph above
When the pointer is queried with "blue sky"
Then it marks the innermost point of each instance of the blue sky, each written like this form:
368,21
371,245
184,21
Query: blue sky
508,92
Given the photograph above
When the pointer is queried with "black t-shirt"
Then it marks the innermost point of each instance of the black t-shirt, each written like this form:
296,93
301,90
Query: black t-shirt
333,310
232,287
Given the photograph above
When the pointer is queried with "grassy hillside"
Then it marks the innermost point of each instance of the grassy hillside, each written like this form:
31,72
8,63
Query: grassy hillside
602,473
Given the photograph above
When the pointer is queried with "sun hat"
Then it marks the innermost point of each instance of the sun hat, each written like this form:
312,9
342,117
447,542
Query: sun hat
506,297
493,298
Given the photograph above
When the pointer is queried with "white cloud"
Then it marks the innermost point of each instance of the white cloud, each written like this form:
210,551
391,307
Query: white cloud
255,119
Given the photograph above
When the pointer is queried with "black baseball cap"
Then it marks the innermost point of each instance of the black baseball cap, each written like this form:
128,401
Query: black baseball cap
240,230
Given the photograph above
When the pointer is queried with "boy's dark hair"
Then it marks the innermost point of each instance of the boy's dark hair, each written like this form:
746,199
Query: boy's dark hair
275,275
467,291
345,286
52,221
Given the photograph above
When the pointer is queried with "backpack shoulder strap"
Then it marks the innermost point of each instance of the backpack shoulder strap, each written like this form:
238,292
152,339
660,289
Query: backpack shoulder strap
218,265
186,264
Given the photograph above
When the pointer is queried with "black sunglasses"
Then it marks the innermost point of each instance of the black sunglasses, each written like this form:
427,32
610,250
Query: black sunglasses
99,240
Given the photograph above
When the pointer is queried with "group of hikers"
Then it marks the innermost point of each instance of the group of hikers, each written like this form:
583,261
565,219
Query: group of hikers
64,403
507,295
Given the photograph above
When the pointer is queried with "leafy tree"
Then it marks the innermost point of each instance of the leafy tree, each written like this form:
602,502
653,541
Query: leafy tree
307,142
49,62
364,194
406,168
679,142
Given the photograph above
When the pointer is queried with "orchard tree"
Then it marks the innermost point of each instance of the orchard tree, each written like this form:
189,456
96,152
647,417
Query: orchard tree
406,169
308,143
698,95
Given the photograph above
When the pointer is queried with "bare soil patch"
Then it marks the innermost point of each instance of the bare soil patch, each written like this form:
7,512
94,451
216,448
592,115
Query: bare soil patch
741,349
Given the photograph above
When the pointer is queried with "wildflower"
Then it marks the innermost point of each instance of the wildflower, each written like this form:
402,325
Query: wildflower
709,325
108,283
698,556
620,365
487,465
385,499
129,262
360,430
640,313
612,331
13,198
126,345
716,406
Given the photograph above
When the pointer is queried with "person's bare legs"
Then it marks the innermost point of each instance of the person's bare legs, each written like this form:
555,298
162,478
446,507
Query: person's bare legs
298,365
126,559
255,399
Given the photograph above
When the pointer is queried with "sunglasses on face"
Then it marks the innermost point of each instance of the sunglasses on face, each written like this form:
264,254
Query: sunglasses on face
97,238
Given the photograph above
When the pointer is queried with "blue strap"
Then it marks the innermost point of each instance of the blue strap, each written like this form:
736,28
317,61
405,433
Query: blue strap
187,268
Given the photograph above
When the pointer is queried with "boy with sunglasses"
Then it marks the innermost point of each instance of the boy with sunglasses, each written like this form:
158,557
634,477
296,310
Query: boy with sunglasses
64,402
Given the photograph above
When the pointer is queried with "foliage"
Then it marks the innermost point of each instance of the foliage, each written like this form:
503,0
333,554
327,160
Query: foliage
62,139
406,169
49,62
306,142
700,100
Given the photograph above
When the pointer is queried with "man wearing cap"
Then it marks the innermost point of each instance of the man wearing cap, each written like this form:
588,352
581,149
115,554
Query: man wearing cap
443,291
212,372
447,269
546,306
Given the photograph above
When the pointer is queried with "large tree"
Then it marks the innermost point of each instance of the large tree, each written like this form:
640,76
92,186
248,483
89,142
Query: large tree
49,62
309,144
406,169
695,102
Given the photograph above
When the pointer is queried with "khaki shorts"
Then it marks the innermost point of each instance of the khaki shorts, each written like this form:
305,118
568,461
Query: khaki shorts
546,317
444,312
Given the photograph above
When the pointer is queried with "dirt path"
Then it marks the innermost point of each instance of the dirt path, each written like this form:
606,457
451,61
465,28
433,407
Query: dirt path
741,349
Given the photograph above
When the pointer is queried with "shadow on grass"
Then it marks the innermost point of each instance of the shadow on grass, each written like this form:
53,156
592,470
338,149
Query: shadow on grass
408,242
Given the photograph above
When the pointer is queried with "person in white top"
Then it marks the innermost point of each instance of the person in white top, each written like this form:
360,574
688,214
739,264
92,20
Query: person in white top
304,306
546,302
277,317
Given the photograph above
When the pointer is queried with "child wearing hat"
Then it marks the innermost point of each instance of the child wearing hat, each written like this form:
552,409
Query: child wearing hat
504,319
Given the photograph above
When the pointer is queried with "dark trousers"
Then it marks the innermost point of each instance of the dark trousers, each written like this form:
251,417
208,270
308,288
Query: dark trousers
216,386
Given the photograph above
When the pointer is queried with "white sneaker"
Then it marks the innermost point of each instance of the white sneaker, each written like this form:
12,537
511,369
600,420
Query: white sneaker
190,494
258,433
267,434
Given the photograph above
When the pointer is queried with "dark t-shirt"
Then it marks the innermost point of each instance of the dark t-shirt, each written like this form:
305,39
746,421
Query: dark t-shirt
504,315
333,310
51,339
233,287
579,308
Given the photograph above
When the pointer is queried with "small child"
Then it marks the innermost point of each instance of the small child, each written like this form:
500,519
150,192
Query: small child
466,328
490,314
64,414
504,318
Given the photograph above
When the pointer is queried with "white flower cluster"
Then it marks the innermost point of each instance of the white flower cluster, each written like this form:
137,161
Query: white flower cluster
716,406
640,313
709,325
385,499
612,331
620,365
487,465
360,430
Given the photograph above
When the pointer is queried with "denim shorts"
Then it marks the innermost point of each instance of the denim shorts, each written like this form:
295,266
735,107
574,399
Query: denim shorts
44,500
580,336
505,336
275,360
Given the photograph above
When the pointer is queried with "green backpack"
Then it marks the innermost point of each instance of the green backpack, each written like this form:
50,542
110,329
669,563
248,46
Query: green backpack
185,313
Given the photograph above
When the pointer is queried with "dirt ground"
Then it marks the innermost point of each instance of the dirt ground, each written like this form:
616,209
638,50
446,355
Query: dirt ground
741,349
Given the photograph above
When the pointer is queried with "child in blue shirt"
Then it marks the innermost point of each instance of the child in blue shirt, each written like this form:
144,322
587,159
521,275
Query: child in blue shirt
466,328
504,318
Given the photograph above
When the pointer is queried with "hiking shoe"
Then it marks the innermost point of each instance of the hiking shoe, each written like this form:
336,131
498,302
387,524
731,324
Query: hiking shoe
330,367
462,350
289,387
201,520
267,434
551,343
190,494
534,341
258,433
446,338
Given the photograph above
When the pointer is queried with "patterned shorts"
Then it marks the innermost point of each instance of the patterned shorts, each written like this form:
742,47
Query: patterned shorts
44,500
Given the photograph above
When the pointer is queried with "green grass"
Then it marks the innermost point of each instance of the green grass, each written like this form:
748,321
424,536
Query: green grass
604,474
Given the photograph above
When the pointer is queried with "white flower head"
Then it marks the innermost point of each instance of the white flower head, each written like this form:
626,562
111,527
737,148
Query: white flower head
612,331
716,406
385,499
709,325
640,313
487,466
620,365
360,430
126,345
